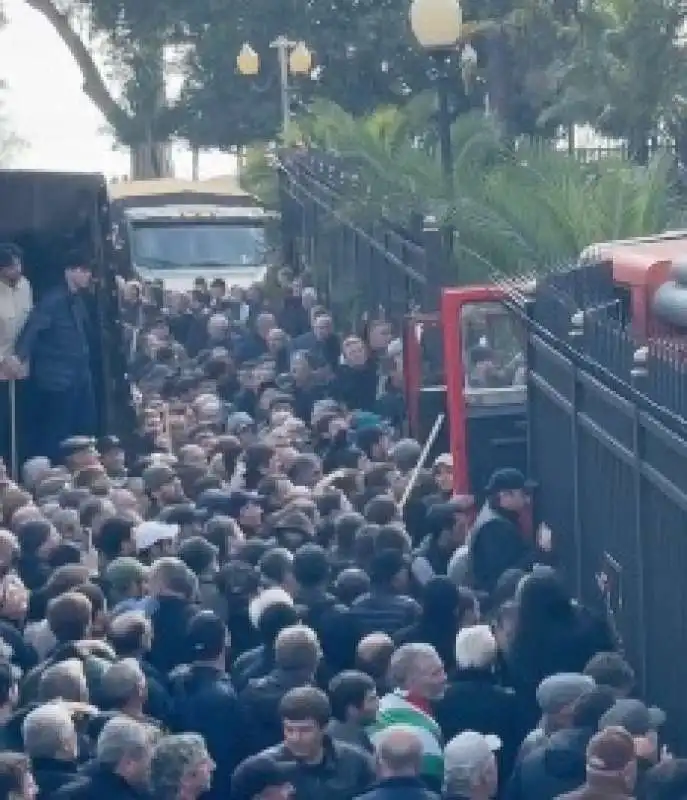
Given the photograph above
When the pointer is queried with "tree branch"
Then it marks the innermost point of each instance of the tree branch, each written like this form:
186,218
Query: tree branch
94,86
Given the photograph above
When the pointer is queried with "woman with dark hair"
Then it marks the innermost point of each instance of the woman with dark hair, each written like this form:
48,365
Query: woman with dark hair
259,459
445,610
551,633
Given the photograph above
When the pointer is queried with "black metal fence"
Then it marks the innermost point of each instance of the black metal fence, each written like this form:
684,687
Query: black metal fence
608,445
362,268
607,419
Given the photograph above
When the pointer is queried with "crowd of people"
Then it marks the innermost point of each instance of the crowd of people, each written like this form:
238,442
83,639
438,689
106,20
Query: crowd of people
257,605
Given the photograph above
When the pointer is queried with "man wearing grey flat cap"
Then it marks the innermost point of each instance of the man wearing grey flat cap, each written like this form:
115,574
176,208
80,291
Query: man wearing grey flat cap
556,697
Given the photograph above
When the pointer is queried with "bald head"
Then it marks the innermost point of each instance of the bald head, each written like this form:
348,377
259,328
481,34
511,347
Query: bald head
374,642
374,654
399,752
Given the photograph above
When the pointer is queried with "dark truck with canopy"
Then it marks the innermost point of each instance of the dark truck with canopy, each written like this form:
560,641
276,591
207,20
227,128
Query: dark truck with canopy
176,231
52,216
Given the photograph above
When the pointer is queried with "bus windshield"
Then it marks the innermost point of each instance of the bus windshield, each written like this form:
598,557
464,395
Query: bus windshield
171,245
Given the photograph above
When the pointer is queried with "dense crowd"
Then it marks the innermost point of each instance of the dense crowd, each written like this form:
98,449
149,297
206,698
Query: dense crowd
268,599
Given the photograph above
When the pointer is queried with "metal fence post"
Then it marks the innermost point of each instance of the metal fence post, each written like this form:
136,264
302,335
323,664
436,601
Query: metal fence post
438,244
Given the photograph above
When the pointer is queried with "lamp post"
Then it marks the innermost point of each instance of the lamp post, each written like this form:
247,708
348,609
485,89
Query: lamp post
437,25
294,59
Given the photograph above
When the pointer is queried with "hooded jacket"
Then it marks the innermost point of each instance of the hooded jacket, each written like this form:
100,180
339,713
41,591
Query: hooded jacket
557,767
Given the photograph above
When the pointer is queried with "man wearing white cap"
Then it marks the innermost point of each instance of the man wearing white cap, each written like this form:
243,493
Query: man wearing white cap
154,539
470,771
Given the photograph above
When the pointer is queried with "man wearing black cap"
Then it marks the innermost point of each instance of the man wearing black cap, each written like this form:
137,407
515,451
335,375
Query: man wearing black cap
77,453
447,525
496,542
263,778
54,346
205,702
112,456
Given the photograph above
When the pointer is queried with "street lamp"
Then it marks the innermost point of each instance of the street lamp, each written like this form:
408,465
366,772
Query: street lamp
294,58
300,60
437,26
248,61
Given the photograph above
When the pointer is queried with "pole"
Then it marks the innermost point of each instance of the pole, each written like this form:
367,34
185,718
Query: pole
444,123
282,45
14,455
421,460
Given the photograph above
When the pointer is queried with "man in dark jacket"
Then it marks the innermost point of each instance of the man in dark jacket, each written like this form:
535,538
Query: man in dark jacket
50,741
399,756
558,766
120,770
204,701
496,542
447,526
319,609
297,654
55,348
357,379
259,661
321,340
354,702
173,587
322,768
385,607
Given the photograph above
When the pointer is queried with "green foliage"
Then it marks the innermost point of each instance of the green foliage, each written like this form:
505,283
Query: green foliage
363,52
259,177
627,72
513,209
542,64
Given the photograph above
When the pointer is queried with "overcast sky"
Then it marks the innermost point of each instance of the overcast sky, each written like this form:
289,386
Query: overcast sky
47,108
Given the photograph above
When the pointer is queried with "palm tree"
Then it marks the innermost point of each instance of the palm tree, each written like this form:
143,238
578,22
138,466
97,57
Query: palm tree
514,209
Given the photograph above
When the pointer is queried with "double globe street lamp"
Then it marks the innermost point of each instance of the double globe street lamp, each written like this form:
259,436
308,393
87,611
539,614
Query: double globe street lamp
294,59
437,25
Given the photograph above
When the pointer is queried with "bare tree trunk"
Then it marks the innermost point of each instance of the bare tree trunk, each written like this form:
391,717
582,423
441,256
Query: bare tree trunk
151,154
151,160
195,163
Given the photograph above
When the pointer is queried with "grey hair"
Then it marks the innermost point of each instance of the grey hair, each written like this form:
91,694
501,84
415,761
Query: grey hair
172,757
172,574
46,729
476,647
123,737
266,599
63,518
122,681
405,662
34,469
65,680
123,623
460,778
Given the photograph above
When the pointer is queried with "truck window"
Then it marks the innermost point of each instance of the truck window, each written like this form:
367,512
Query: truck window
492,348
170,244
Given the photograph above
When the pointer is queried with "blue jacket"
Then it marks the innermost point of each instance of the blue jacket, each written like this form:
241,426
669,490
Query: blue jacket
401,788
204,701
54,341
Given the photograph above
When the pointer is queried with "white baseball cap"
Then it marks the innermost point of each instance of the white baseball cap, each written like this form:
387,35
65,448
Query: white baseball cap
151,532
